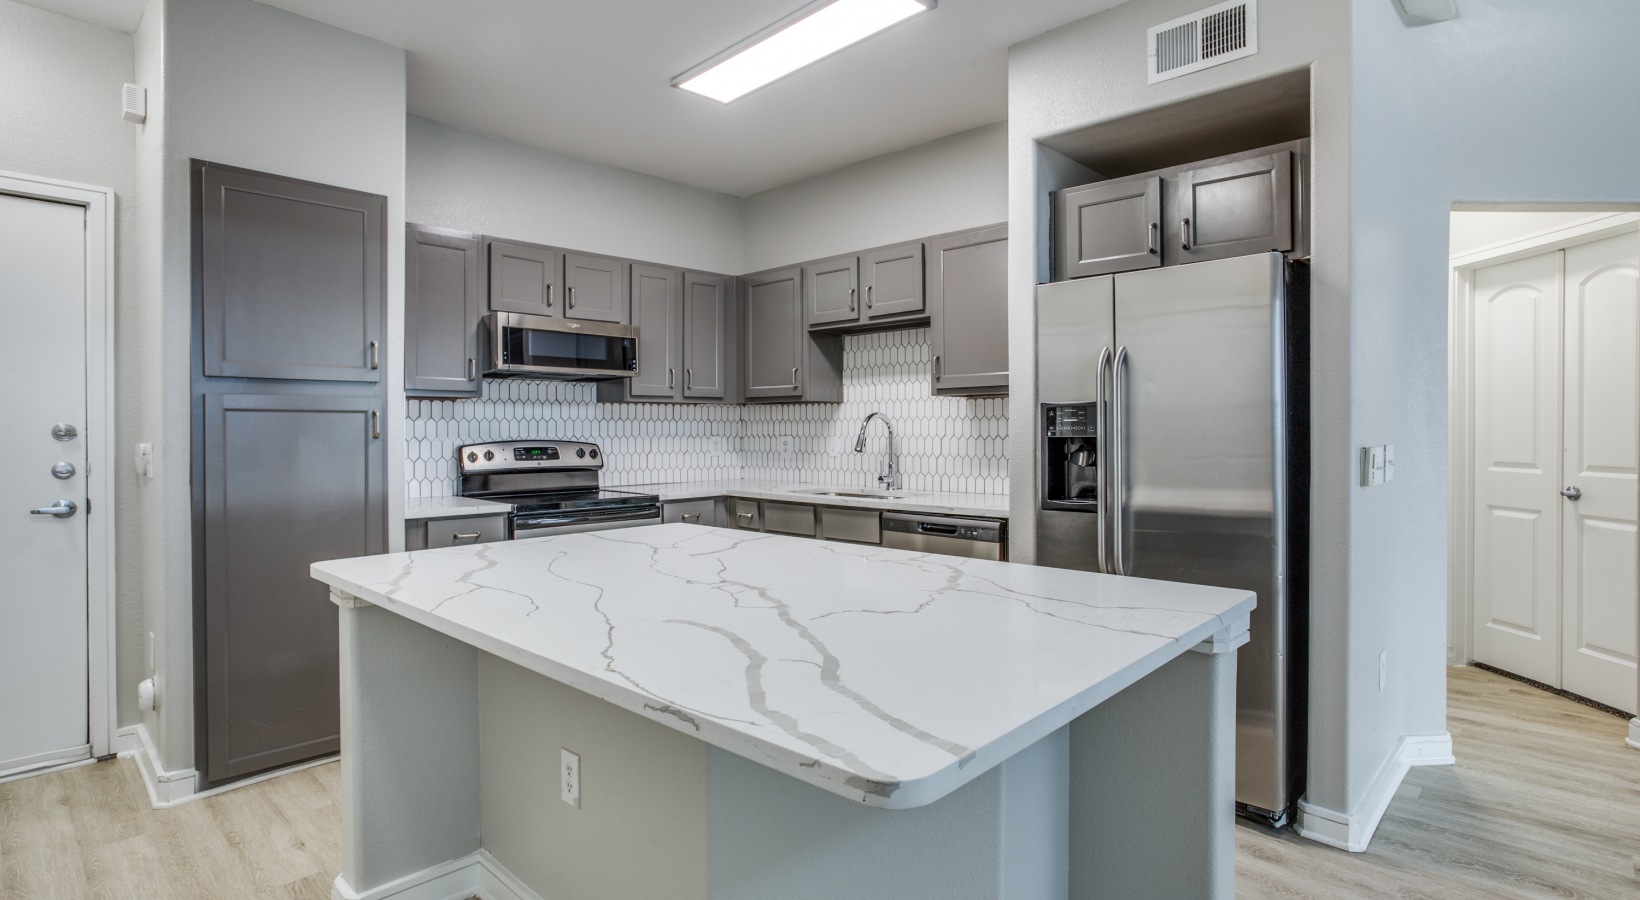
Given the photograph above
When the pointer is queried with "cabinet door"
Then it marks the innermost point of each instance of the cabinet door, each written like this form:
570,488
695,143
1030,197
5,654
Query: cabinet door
657,310
442,309
597,288
291,278
705,332
831,292
524,278
1108,227
968,291
774,334
693,512
1234,209
289,480
892,278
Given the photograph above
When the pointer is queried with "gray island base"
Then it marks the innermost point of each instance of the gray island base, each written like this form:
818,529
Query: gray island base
768,718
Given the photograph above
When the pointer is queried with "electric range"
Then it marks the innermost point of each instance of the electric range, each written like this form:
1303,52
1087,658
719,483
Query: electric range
552,486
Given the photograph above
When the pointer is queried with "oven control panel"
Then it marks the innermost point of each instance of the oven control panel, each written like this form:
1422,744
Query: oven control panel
525,456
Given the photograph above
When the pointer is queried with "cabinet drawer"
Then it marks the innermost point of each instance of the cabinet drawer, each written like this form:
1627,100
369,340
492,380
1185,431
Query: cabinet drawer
745,514
693,512
789,518
862,526
461,532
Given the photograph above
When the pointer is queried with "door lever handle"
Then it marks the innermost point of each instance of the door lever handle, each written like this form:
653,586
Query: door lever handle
1573,493
62,509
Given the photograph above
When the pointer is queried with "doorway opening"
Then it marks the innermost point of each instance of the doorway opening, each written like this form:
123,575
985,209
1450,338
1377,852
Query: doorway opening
1545,449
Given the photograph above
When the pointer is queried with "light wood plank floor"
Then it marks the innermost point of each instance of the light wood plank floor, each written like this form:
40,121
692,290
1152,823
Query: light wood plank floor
1544,802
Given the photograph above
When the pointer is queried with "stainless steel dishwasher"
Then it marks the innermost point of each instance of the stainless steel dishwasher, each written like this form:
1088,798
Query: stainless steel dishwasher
928,533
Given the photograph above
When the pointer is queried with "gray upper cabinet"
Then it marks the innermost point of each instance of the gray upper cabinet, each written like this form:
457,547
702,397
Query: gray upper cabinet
1108,227
658,313
287,479
291,278
1234,208
443,303
831,290
892,278
774,334
707,333
525,278
597,288
968,300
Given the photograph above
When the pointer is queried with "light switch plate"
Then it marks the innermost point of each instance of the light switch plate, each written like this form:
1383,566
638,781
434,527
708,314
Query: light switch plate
1389,462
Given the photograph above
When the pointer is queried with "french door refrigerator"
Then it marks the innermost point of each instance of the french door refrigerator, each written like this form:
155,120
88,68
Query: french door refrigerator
1185,389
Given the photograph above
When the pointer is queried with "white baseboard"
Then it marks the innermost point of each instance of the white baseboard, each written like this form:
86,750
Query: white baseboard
165,788
1354,832
1634,733
474,875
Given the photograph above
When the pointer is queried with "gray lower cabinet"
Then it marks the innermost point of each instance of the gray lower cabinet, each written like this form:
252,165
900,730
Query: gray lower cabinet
706,511
892,279
1108,227
291,278
597,288
743,513
432,534
831,290
1234,208
968,304
708,332
861,526
781,360
443,304
789,518
289,479
524,278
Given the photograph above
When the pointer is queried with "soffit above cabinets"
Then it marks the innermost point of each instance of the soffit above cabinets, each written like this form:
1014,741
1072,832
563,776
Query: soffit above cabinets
593,80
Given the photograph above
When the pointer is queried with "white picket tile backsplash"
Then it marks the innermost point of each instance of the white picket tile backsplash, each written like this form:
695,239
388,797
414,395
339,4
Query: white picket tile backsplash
944,443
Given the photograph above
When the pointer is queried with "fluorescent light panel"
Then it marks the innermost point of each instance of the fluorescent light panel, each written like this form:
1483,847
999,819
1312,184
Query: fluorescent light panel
809,37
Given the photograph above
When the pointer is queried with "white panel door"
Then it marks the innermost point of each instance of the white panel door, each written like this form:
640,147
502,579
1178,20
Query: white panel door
1598,591
1517,467
44,709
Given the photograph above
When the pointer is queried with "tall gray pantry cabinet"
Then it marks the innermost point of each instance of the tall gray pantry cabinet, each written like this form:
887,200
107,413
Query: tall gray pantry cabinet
289,462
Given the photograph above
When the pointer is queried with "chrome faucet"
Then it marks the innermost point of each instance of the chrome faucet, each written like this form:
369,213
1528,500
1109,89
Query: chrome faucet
891,478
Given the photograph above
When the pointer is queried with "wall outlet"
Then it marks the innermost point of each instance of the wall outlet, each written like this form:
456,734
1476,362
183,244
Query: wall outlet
835,446
144,460
719,444
1383,668
784,444
569,777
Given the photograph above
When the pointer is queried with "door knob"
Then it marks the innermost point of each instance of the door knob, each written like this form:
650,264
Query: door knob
62,509
1572,493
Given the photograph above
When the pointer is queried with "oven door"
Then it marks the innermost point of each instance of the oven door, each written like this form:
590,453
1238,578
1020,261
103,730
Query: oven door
540,347
572,521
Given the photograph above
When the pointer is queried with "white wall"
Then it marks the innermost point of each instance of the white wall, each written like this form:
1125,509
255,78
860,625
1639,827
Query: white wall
246,85
458,179
60,117
1093,71
956,182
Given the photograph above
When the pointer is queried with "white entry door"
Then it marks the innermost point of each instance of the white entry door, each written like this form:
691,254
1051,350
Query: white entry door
1598,623
44,711
1517,467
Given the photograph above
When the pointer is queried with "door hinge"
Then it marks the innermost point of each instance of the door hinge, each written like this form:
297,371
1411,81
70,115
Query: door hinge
88,506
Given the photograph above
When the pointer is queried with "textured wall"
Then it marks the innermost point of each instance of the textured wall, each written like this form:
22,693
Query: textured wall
944,443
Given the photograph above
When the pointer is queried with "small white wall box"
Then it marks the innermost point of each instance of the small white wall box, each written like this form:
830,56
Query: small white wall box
134,103
1429,10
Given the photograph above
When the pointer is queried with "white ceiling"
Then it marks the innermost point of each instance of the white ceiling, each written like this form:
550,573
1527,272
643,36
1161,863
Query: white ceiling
592,78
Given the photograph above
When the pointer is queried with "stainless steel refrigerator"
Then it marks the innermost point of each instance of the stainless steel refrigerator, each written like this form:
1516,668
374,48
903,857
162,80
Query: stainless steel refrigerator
1173,444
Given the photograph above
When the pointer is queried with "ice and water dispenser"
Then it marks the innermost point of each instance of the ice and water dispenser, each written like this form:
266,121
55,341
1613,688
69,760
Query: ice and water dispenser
1070,462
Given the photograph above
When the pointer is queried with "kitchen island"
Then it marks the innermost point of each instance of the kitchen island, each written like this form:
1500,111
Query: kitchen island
758,716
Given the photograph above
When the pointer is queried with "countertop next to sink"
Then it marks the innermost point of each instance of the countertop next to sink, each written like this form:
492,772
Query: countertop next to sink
419,508
987,506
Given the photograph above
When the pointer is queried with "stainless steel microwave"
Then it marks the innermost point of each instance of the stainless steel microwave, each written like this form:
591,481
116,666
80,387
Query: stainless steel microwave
525,346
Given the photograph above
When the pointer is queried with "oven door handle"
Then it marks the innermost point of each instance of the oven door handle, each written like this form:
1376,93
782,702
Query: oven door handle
530,523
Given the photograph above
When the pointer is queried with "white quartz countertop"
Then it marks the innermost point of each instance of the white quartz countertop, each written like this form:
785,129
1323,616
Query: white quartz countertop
884,676
987,506
451,508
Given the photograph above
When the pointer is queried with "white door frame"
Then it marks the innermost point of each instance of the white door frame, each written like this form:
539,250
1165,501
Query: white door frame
99,438
1461,410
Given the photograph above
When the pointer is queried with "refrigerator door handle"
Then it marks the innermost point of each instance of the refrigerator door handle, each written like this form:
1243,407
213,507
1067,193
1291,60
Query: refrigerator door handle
1118,459
1101,440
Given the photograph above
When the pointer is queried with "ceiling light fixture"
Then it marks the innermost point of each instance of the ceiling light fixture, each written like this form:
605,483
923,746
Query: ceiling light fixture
807,36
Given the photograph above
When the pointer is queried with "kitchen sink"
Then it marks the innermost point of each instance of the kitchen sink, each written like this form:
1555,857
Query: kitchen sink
858,495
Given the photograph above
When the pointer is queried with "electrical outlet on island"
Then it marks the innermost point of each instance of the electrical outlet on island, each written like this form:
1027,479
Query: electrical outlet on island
569,777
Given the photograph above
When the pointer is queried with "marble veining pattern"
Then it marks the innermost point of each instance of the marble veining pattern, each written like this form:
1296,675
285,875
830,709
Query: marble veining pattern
885,676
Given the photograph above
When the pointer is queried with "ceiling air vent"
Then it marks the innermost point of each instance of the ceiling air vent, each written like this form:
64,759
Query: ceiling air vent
1203,39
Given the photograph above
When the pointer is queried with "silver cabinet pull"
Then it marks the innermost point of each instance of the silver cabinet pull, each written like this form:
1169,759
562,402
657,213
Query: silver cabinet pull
688,379
1573,493
794,376
1118,455
744,517
691,517
549,295
472,368
936,365
851,299
465,536
671,378
572,296
1185,236
1102,452
1150,242
871,295
375,424
62,509
375,355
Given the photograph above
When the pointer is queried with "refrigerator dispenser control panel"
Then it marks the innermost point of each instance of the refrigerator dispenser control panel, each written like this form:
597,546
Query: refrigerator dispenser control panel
1069,420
